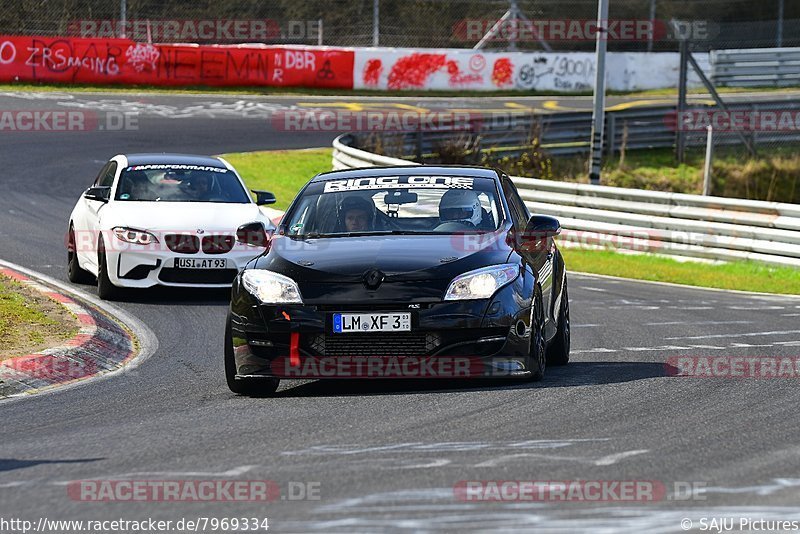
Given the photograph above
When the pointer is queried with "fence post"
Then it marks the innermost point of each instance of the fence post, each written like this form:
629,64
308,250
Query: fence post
611,137
599,107
123,17
709,161
419,142
376,23
680,134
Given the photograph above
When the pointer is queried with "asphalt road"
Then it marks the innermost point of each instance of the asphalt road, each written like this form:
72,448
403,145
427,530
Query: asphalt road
385,456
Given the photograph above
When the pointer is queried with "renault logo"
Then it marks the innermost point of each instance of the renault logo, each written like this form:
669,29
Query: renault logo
373,279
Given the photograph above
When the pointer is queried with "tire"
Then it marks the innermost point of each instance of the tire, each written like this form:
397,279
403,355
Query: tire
558,351
75,273
106,290
244,386
537,353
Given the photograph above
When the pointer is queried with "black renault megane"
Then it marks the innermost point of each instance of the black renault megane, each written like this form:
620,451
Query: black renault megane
416,271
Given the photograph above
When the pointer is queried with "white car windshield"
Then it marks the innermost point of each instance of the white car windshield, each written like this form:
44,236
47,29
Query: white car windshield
180,183
396,204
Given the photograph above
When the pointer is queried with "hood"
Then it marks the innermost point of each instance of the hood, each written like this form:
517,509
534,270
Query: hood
414,266
181,216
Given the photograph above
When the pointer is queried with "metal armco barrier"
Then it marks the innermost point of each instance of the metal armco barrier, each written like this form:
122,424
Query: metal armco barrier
711,228
756,67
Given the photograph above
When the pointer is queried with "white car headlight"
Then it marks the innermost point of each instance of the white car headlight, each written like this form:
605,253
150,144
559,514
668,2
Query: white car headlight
271,288
132,235
481,283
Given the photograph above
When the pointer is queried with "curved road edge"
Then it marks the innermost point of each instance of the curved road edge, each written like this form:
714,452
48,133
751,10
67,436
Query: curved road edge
110,342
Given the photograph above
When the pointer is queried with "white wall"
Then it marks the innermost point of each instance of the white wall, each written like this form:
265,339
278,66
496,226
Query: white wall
448,69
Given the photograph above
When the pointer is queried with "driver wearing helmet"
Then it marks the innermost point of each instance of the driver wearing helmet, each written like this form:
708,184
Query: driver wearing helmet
460,206
357,214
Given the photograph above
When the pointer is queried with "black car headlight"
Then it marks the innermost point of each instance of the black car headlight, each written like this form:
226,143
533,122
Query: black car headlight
132,235
271,288
481,283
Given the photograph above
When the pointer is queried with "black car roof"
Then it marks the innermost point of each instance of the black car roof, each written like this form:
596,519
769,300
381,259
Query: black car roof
409,170
173,159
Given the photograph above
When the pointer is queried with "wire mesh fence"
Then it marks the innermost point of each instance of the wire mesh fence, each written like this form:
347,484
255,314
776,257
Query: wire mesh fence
528,24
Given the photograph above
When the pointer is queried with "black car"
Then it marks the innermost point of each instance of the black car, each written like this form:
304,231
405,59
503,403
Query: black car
417,271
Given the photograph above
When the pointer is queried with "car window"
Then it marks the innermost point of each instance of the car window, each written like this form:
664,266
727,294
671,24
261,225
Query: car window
403,204
107,179
519,212
102,174
180,183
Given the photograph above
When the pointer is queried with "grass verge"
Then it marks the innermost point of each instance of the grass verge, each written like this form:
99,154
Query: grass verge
283,172
29,321
742,276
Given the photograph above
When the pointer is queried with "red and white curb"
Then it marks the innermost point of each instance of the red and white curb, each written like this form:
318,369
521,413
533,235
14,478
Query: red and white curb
103,344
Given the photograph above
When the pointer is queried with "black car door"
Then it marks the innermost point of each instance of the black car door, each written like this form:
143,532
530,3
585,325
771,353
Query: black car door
538,251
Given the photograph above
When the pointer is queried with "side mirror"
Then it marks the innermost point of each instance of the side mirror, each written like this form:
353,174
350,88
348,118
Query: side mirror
100,193
254,234
539,229
540,226
264,197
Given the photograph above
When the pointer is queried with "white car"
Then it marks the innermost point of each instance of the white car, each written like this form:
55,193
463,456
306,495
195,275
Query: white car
164,219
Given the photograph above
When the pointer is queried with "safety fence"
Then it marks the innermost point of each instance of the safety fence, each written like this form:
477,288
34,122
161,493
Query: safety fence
694,226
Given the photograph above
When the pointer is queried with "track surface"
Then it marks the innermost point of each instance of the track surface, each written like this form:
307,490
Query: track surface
387,455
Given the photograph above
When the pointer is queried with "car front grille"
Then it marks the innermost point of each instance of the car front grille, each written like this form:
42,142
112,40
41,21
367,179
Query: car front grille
197,276
218,244
400,344
182,243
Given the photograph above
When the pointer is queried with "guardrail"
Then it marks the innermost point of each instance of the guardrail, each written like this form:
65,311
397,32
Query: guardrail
695,226
756,67
567,133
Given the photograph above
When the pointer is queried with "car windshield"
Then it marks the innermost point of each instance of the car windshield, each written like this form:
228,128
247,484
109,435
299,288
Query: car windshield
396,204
180,183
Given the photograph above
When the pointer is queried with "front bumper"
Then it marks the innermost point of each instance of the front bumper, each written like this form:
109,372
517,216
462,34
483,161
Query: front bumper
466,339
140,267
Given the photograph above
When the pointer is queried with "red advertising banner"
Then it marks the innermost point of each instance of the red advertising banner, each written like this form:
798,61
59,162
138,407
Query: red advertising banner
121,61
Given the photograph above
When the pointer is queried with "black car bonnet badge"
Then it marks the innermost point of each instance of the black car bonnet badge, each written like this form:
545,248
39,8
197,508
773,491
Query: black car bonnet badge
373,278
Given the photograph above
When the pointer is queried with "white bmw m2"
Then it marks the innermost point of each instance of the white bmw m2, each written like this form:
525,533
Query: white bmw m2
165,219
